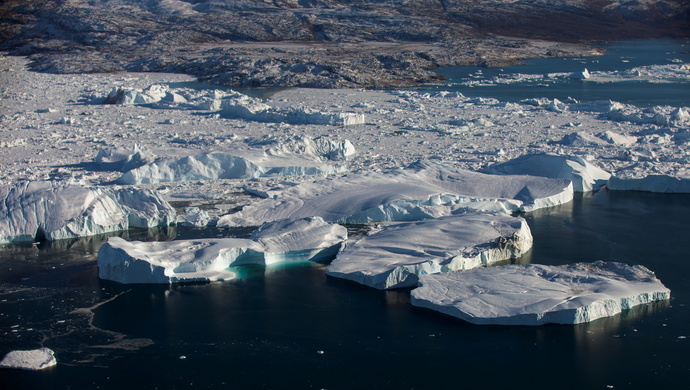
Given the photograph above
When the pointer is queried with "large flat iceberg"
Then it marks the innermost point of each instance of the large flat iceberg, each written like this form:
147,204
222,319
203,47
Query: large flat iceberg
308,239
54,210
585,176
652,183
421,191
539,294
35,359
398,254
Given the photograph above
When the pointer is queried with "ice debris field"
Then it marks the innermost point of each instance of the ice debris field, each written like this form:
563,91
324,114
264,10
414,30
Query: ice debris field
441,190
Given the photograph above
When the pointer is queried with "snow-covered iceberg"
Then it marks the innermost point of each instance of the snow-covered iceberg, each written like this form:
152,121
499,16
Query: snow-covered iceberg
123,159
539,294
585,176
221,165
424,190
398,254
54,210
652,183
35,359
151,94
308,239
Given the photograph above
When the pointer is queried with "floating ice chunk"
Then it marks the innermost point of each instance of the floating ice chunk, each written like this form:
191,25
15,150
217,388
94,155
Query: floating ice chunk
306,239
56,211
398,254
309,239
320,148
617,139
151,94
36,359
583,75
539,294
585,176
423,190
245,107
651,183
557,106
220,165
194,217
123,159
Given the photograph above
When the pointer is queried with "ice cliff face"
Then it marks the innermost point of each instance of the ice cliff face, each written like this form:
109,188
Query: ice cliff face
54,210
314,43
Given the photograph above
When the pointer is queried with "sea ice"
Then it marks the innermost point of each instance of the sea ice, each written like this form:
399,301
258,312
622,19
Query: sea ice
585,176
308,239
539,294
55,210
398,254
35,359
423,190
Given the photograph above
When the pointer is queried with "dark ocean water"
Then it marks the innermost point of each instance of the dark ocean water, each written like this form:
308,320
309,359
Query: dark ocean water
620,56
294,327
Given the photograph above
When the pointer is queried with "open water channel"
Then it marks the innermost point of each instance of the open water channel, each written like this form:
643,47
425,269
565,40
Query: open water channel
294,327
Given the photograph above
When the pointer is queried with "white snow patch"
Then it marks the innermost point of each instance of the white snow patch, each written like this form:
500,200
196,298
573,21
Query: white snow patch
538,294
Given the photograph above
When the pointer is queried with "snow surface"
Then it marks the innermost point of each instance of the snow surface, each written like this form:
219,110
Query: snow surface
538,294
58,210
396,255
309,239
423,190
36,359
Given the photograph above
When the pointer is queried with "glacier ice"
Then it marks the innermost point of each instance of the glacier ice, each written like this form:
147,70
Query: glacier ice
652,183
307,239
221,165
585,176
398,254
35,359
423,190
539,294
56,210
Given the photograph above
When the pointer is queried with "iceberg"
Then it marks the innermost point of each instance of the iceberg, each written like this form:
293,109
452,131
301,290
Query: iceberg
221,165
151,94
123,159
205,260
585,176
539,294
398,254
35,359
55,210
421,191
652,183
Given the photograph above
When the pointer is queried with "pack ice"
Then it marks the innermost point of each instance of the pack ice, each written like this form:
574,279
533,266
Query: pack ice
56,210
35,359
585,176
308,239
539,294
398,254
423,190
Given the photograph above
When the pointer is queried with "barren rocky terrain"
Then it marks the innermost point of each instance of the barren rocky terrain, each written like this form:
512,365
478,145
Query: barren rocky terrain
315,43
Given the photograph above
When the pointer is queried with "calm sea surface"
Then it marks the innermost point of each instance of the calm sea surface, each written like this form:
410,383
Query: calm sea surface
294,327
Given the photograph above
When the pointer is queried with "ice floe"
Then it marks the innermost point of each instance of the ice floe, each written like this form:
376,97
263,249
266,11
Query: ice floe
308,239
585,176
539,294
396,255
650,183
56,210
423,190
35,359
